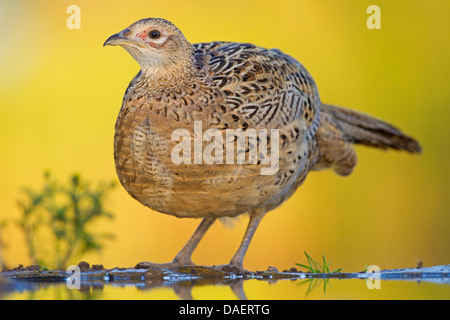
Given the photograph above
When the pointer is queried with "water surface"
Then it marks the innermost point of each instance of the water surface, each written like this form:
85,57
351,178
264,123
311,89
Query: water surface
252,289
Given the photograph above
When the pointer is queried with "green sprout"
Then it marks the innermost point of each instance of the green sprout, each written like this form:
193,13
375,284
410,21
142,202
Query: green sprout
315,267
57,219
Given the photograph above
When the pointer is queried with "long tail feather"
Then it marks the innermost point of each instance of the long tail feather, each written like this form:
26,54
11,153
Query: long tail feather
340,128
359,128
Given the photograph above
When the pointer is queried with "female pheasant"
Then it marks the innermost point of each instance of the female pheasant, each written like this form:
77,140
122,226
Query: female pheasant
227,86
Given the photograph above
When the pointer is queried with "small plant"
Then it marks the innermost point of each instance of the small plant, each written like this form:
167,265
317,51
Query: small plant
315,267
57,219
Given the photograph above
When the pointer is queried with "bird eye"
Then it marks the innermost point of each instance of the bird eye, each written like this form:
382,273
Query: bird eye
154,34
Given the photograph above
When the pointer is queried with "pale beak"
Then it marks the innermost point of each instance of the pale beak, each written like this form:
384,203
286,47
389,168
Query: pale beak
119,39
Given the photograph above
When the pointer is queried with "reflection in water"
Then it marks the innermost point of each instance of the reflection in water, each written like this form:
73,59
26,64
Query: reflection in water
313,283
183,289
311,288
89,290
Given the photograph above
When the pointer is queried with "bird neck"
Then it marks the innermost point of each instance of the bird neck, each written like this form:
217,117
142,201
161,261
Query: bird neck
170,76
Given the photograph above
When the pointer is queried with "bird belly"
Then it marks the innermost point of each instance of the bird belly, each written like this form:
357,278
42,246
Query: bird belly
201,190
146,167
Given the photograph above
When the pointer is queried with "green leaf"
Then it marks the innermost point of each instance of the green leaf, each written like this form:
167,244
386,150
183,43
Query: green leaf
315,267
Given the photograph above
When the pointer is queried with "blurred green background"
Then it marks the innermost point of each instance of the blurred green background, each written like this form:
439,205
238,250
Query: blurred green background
60,93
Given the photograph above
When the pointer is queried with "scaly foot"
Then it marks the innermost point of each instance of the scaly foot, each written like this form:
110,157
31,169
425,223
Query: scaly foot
233,268
176,263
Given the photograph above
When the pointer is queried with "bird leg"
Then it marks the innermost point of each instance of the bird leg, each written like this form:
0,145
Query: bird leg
236,263
183,258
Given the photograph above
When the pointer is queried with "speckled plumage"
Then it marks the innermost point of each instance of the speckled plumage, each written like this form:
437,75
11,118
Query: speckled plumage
227,86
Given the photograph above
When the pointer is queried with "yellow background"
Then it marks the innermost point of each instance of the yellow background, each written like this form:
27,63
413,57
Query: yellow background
60,93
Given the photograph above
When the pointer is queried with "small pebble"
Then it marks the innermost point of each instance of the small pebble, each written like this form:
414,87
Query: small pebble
84,266
98,267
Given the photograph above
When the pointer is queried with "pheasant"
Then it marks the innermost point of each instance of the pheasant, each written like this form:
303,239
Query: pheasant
226,86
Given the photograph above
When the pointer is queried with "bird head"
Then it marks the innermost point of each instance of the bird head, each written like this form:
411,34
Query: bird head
154,43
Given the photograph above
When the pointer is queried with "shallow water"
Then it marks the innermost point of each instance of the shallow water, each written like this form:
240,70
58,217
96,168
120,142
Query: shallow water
252,289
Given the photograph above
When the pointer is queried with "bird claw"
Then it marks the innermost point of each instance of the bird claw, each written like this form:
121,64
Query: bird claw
233,268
